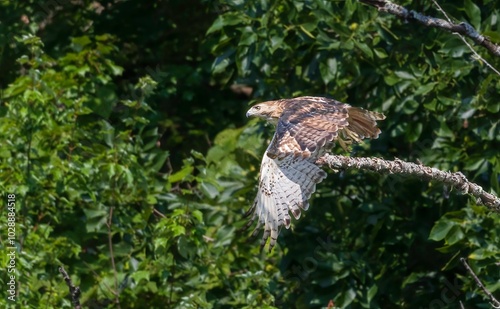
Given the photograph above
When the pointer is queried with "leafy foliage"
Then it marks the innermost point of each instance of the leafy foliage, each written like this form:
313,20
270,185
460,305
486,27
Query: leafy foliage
132,165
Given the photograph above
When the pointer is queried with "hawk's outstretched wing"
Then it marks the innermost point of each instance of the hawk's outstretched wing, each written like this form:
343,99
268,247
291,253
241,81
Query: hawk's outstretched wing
285,185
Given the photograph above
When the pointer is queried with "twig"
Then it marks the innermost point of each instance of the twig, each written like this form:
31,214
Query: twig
410,15
96,275
74,291
455,180
156,211
110,244
170,296
465,41
494,302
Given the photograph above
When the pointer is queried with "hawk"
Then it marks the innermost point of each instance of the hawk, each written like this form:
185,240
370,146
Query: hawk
306,129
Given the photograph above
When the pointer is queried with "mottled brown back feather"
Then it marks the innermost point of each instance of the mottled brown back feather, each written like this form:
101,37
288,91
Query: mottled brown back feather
306,126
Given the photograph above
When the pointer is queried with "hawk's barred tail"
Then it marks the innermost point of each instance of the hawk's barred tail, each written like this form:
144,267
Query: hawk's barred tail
362,124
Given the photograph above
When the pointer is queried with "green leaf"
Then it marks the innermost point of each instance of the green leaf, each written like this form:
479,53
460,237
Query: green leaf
140,275
455,234
151,199
404,75
445,131
183,247
391,79
209,190
345,298
328,70
159,160
198,215
364,48
474,164
381,53
425,89
440,230
80,42
181,175
474,14
178,230
372,292
276,42
228,19
481,254
217,25
414,131
248,37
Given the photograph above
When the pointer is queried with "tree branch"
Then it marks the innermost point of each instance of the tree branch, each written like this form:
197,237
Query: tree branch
494,302
478,56
74,291
410,15
113,265
455,180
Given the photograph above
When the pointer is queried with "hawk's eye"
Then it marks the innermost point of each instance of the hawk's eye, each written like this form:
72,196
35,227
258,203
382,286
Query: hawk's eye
257,108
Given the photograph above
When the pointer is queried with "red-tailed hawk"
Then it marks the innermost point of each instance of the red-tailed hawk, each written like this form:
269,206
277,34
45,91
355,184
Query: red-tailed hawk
306,128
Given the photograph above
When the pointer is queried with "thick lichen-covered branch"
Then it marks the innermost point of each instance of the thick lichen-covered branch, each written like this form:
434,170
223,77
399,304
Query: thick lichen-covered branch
411,15
456,180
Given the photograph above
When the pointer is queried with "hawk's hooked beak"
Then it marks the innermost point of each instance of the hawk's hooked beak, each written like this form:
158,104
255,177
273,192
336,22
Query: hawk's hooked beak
253,110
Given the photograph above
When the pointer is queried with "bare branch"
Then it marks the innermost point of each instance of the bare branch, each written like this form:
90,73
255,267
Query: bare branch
455,180
476,54
74,291
113,265
410,15
494,302
157,212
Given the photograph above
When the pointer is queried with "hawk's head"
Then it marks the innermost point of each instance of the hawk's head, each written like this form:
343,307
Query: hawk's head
270,111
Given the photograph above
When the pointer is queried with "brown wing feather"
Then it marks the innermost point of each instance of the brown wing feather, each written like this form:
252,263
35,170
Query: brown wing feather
306,126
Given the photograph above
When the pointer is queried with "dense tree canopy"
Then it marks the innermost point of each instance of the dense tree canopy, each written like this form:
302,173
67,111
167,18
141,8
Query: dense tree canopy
125,144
